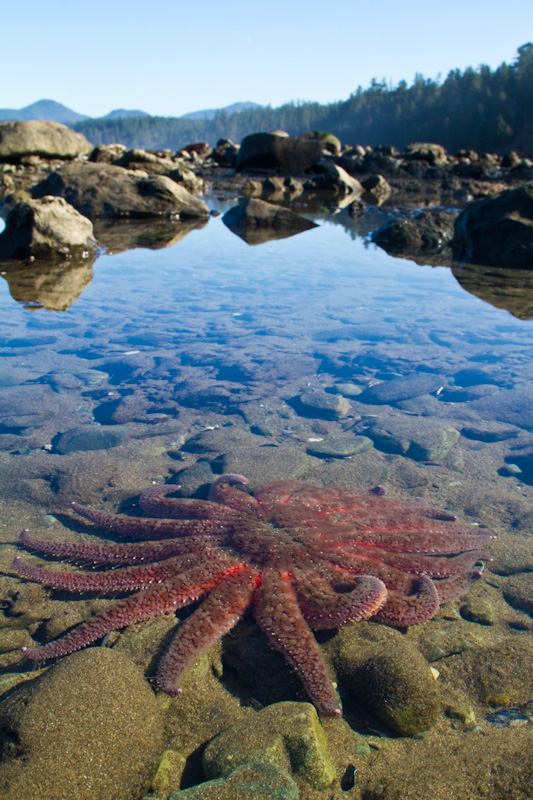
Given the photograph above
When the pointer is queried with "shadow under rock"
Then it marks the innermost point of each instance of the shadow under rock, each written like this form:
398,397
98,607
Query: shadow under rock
154,234
50,285
509,289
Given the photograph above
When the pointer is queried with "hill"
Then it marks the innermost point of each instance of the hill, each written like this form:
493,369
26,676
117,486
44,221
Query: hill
211,113
48,110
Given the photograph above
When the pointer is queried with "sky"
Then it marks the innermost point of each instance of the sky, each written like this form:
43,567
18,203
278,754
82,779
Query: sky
170,57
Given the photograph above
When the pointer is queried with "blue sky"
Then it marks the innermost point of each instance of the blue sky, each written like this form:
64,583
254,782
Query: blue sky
168,57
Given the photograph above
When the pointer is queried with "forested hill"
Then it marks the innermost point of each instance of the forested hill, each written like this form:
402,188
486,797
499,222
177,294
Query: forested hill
479,109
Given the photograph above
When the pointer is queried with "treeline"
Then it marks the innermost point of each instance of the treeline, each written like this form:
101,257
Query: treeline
479,109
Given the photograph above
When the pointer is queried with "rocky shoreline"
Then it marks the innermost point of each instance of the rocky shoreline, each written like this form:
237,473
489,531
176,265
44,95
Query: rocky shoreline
443,208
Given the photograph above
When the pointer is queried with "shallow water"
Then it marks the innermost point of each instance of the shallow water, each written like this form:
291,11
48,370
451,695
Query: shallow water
213,332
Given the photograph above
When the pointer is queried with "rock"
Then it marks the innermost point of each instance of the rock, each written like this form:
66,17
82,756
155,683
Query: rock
89,728
423,236
249,782
323,404
107,153
417,437
91,437
377,189
225,153
282,153
169,773
256,221
341,447
104,190
336,179
45,228
497,230
518,591
434,154
387,675
498,674
38,138
479,611
414,385
24,407
287,735
329,142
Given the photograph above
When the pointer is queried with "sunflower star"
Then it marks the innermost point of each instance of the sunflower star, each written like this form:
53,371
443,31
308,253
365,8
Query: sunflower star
302,556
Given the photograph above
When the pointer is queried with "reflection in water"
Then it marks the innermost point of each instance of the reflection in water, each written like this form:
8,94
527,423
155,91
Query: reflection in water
511,289
120,235
54,287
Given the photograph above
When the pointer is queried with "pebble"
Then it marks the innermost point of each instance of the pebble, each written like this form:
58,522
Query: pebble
91,437
340,448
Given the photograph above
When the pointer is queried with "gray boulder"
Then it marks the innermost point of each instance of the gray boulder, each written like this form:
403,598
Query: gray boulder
425,237
434,154
48,227
104,190
497,230
377,189
256,221
282,153
37,138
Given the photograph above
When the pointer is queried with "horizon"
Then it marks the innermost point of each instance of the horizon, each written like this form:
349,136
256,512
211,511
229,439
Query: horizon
169,62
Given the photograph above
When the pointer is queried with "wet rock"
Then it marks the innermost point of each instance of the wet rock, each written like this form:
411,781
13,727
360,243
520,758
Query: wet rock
336,179
329,142
387,675
219,440
167,779
434,154
323,404
518,591
38,138
91,437
249,782
287,735
282,153
376,189
403,388
256,221
90,727
497,230
424,237
47,228
265,464
196,477
341,447
479,611
24,407
225,153
498,674
419,438
104,190
511,406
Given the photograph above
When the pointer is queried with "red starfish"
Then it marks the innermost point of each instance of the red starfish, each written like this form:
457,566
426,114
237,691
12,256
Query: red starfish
302,556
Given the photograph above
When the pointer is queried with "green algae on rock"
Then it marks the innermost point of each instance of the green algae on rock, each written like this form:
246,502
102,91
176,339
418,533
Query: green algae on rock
288,735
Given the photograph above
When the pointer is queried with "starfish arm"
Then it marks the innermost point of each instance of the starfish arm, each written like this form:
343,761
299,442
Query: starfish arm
323,607
110,553
277,613
404,610
452,588
151,602
424,539
217,614
436,566
143,527
223,491
137,577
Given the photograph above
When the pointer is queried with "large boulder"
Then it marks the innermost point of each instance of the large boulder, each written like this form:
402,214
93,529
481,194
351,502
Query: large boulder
497,230
37,138
434,154
424,238
280,153
48,227
328,141
256,221
104,190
